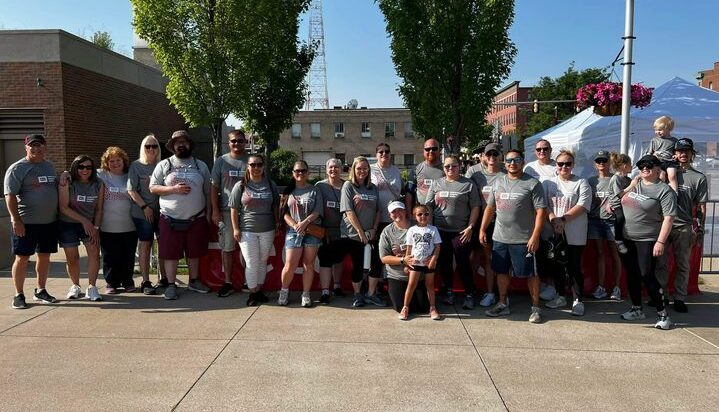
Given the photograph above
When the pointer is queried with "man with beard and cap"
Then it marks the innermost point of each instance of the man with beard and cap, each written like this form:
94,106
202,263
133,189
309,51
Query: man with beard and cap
183,184
421,178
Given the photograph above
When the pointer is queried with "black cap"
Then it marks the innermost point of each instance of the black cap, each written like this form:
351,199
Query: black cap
170,145
602,154
648,160
684,144
32,138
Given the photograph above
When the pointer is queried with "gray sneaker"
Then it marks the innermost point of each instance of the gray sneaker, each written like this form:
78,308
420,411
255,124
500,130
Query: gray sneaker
577,308
468,302
196,286
171,292
358,300
500,309
536,315
284,297
375,300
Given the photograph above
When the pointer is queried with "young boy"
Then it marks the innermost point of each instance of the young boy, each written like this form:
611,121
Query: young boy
422,241
662,146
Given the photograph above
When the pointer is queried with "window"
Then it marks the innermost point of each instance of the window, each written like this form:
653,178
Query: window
366,129
409,159
389,129
391,158
711,86
296,130
408,132
339,130
315,130
341,157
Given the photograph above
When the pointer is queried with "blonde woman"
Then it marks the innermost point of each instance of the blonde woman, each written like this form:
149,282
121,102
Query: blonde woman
145,210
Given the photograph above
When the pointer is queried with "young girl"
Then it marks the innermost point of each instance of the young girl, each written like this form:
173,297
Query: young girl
422,241
619,185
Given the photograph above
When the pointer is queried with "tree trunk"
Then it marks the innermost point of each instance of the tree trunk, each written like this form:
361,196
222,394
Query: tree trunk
217,138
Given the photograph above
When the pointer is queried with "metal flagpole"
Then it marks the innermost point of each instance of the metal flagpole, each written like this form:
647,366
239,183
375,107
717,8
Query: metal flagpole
627,81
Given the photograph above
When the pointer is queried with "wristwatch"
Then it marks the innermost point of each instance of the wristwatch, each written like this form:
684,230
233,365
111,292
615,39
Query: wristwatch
401,261
143,206
564,219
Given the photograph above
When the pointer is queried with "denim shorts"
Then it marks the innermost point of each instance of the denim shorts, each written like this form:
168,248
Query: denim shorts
146,230
600,229
506,256
295,241
70,234
39,238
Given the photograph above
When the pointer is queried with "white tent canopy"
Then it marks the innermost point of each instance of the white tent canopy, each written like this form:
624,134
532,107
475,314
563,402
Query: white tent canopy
695,111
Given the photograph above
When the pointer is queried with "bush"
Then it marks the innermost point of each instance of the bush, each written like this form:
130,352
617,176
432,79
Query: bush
282,162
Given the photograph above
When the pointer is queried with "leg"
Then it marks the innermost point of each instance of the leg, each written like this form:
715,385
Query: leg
396,290
647,267
634,279
144,259
129,241
429,284
598,245
250,249
19,271
292,258
356,250
227,261
503,281
411,285
461,254
616,263
444,261
575,270
93,263
672,178
266,240
486,253
171,270
682,245
193,267
308,262
72,256
42,267
533,285
337,270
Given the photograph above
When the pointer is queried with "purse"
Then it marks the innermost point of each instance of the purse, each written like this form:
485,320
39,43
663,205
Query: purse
316,231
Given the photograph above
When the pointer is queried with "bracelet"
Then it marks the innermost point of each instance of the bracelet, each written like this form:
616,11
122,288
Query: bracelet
143,206
659,241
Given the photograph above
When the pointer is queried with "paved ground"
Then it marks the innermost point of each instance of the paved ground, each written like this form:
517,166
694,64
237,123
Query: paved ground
135,352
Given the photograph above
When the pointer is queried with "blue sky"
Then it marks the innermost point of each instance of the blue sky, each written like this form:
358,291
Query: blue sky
674,38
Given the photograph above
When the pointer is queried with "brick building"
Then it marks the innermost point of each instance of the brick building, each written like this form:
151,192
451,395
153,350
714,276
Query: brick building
318,135
512,119
82,97
709,78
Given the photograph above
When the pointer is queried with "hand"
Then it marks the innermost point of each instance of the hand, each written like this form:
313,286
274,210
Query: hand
658,249
216,217
371,234
182,188
466,235
698,237
18,228
89,228
483,237
432,264
363,238
64,179
533,244
633,183
237,235
301,227
608,209
397,251
558,225
149,214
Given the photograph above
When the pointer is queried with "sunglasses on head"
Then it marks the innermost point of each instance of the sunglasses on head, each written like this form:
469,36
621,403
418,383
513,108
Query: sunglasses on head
85,167
565,164
431,149
543,149
513,160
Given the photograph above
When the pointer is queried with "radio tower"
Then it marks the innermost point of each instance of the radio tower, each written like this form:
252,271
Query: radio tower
317,76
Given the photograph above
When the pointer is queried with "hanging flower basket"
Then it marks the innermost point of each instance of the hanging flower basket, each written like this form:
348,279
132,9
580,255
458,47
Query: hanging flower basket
606,97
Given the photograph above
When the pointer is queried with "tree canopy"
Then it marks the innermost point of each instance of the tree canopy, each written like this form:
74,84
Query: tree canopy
451,56
563,87
103,39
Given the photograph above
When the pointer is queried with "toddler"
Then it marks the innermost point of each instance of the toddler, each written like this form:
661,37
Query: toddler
423,243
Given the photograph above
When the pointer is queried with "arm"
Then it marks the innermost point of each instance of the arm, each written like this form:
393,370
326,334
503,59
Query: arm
215,205
235,217
467,232
354,221
539,218
432,263
99,207
161,190
486,218
18,227
135,196
659,246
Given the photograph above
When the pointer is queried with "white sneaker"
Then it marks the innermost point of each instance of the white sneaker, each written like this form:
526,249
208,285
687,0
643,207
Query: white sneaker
557,303
616,294
284,297
663,321
93,294
547,292
599,292
488,300
74,292
634,313
536,315
306,301
577,308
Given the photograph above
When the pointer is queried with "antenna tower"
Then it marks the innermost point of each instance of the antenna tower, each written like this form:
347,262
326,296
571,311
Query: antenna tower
317,75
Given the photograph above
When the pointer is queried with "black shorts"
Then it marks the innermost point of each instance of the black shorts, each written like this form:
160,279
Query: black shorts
331,253
39,238
669,164
421,269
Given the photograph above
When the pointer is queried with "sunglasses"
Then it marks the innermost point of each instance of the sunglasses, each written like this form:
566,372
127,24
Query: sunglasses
255,164
422,214
543,149
513,160
85,167
452,166
492,154
151,146
600,161
644,166
383,152
431,149
235,141
565,164
35,144
300,171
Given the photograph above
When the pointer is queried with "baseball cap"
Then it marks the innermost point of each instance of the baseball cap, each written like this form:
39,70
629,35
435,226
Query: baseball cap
602,154
32,138
684,144
648,160
394,205
492,146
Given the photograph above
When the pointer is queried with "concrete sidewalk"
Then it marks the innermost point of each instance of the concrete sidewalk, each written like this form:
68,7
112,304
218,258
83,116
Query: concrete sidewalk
135,352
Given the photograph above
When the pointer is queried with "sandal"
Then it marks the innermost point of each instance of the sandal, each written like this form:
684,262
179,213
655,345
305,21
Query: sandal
404,313
433,314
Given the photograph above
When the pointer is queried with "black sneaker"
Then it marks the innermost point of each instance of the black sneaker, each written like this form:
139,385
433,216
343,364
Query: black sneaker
252,299
18,302
325,298
147,288
245,288
162,283
226,290
338,292
680,306
44,297
261,297
653,304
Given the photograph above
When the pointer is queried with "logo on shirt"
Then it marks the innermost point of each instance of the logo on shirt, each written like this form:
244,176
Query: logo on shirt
637,196
602,195
332,204
86,199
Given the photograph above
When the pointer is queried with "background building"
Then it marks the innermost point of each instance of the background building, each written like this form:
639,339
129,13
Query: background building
511,119
709,78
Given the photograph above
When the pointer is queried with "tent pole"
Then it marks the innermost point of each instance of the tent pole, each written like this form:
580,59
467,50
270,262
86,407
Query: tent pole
627,81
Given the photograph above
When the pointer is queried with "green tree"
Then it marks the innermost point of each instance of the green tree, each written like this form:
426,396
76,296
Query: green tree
451,55
563,87
282,161
103,39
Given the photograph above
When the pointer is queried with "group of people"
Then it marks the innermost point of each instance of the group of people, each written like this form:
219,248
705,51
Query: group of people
504,218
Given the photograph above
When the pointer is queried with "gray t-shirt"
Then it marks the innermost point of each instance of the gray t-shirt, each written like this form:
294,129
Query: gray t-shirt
303,201
644,209
116,205
389,187
616,185
541,171
138,180
601,194
452,203
191,171
363,201
423,176
83,199
692,187
255,203
483,179
225,173
35,186
393,236
331,215
516,202
561,196
662,147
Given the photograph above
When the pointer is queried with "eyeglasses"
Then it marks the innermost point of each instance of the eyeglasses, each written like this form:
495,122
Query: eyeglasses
300,171
255,164
600,161
647,166
235,141
452,166
383,152
492,154
513,160
361,169
422,214
35,144
151,146
85,167
543,149
431,149
564,164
